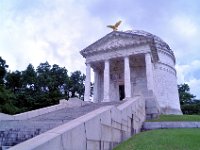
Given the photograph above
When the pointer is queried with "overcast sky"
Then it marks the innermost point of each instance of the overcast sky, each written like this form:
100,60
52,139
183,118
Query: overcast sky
35,31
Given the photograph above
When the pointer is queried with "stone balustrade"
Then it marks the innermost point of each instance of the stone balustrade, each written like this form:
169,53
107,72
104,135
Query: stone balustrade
72,102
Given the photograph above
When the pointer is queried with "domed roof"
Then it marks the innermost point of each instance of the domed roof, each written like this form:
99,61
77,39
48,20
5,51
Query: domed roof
160,44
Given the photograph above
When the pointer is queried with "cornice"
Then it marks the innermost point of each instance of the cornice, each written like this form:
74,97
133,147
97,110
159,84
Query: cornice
121,40
168,54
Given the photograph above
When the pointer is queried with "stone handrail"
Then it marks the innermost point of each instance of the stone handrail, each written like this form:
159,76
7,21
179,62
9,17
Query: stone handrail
72,102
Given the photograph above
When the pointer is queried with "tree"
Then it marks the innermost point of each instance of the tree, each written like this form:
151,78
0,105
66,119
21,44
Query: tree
184,94
31,89
43,76
59,77
7,101
3,67
76,84
29,78
51,83
189,105
14,81
7,98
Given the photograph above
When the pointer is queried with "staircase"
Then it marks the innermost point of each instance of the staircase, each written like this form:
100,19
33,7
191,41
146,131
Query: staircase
13,132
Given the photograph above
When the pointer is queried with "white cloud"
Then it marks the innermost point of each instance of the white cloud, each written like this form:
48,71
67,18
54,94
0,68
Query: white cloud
56,35
194,87
181,72
183,37
40,30
184,26
190,74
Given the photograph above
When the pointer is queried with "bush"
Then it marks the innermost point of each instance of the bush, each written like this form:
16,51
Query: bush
9,109
190,109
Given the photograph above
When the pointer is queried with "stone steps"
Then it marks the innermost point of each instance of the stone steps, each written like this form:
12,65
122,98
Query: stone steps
13,132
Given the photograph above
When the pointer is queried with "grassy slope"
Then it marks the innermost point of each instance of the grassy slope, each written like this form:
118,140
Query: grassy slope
177,118
163,139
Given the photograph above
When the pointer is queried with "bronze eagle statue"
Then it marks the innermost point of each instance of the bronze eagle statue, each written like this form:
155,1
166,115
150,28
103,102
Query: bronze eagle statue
115,26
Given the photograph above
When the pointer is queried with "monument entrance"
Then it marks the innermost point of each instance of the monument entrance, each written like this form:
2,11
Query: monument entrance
121,92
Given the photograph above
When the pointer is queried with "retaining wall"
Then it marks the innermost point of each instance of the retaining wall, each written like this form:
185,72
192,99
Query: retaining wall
170,125
101,129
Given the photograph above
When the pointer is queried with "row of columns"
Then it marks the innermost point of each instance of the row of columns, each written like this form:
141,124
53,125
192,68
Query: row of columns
127,78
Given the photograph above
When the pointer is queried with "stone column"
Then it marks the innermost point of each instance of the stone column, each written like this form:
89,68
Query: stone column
127,77
96,85
87,83
106,81
149,71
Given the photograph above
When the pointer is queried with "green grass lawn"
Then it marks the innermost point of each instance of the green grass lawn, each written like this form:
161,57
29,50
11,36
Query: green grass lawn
176,118
163,139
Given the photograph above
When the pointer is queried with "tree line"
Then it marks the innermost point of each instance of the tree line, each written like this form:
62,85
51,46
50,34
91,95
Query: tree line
189,104
35,88
32,88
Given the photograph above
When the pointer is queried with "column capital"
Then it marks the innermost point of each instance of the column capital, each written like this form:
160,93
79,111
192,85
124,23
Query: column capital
148,54
106,60
126,56
95,70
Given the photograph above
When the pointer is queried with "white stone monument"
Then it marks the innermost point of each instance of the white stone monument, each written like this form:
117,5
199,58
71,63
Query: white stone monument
129,62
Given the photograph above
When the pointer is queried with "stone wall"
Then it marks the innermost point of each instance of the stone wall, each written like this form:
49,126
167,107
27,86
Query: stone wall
6,117
170,125
166,89
101,129
37,112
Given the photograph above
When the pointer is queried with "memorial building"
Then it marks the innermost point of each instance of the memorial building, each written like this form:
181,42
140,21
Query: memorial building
131,63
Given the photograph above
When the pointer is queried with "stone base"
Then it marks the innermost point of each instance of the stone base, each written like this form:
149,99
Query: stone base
171,111
151,106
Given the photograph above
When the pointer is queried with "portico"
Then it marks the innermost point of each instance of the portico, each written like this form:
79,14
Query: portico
115,78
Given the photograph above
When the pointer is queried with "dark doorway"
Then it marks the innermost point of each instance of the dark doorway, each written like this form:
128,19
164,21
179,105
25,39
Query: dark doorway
121,92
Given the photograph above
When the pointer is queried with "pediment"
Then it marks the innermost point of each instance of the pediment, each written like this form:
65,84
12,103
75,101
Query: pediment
117,40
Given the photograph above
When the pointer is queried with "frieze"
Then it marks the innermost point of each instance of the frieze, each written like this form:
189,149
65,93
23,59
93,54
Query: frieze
165,67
